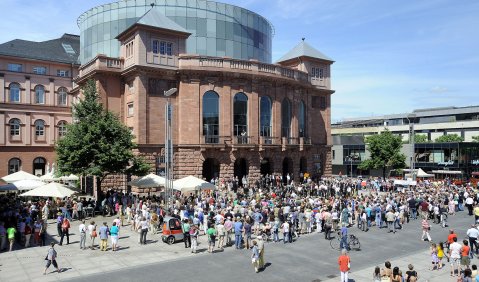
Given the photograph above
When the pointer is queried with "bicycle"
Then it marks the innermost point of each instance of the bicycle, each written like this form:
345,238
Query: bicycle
353,243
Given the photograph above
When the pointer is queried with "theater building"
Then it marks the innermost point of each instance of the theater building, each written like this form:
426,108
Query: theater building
235,113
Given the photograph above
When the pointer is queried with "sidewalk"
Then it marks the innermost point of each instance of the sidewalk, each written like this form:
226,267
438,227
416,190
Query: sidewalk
421,262
27,264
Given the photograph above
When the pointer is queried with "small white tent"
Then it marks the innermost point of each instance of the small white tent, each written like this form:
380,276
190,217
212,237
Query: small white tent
148,181
52,189
191,183
19,175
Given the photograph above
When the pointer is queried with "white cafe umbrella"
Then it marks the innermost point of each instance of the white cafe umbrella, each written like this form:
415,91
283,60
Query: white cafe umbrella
148,181
52,189
71,177
49,177
28,184
191,183
19,175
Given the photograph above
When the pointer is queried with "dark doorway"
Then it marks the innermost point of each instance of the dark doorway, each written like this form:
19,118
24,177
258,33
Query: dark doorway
265,166
303,165
39,166
211,169
241,169
287,169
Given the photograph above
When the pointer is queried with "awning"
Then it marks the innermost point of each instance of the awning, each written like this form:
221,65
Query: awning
191,183
52,189
148,181
447,172
19,175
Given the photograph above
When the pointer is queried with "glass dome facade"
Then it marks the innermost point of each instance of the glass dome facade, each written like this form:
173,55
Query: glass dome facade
217,29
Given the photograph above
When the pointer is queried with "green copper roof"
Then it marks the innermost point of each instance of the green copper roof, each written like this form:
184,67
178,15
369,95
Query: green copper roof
303,49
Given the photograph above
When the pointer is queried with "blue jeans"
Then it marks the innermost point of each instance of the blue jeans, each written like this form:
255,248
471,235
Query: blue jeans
344,242
460,207
285,237
414,213
276,236
238,241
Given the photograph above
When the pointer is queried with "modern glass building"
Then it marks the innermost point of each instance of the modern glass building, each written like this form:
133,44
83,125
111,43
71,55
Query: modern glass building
217,29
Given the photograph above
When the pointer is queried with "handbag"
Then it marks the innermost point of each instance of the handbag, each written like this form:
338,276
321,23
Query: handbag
93,233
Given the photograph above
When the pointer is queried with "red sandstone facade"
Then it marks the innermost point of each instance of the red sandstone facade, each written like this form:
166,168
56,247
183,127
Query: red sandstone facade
133,87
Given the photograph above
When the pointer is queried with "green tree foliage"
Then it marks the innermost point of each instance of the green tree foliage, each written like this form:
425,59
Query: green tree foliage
475,138
449,138
385,150
97,143
420,138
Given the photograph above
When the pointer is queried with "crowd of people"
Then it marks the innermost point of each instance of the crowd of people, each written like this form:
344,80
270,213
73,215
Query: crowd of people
245,215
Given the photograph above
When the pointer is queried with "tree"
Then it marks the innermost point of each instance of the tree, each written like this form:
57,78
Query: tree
449,138
385,151
420,138
475,138
97,143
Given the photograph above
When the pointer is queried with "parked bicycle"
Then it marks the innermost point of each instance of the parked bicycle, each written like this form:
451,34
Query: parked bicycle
353,243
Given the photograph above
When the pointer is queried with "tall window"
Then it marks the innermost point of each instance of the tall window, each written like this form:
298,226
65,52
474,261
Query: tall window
14,93
240,114
265,116
39,127
62,96
14,165
14,127
62,128
302,119
286,118
39,94
317,72
211,117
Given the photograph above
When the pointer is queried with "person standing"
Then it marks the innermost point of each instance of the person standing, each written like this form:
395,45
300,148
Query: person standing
390,220
472,234
344,238
3,237
93,234
28,235
238,227
285,228
51,259
194,238
185,227
114,231
220,229
344,265
104,237
82,229
143,226
65,231
455,257
261,252
59,223
211,233
255,256
11,236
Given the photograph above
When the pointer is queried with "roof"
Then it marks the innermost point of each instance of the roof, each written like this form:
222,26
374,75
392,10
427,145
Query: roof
303,49
55,50
154,18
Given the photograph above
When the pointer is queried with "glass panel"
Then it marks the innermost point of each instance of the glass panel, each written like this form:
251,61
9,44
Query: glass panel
285,118
201,27
211,47
265,116
211,117
210,28
302,119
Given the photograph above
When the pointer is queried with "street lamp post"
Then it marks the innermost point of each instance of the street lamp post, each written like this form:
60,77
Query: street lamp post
410,118
168,148
350,159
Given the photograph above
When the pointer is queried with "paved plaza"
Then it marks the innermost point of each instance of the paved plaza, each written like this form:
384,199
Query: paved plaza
310,258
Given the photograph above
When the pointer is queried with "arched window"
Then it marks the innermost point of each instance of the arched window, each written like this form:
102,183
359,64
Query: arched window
14,127
240,115
286,118
39,127
211,117
62,128
39,166
62,96
14,93
265,116
302,119
14,165
39,94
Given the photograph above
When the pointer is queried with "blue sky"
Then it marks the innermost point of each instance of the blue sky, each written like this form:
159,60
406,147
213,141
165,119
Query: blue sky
391,56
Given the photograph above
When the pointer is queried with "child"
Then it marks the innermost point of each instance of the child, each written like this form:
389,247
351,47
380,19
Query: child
434,257
440,254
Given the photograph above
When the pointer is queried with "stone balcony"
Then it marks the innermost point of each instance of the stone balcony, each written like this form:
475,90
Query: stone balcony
100,63
195,62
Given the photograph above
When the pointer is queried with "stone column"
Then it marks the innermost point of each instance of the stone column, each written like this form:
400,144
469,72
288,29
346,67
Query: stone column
28,91
4,127
28,129
3,91
51,97
253,113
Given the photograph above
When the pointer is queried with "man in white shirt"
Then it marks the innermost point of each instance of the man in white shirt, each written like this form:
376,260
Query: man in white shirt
473,233
82,229
469,202
455,257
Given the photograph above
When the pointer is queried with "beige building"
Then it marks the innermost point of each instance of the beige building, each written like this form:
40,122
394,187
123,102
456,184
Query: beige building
231,117
35,81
